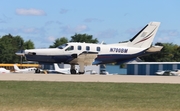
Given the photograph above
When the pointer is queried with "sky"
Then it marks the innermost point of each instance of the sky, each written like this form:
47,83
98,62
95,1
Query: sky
111,21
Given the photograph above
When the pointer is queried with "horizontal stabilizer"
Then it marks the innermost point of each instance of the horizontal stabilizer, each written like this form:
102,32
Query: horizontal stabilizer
154,49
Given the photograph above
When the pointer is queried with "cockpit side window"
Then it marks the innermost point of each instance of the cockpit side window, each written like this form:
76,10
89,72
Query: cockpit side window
62,46
70,48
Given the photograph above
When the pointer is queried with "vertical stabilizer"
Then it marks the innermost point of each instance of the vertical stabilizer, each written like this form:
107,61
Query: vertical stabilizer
145,37
16,68
56,67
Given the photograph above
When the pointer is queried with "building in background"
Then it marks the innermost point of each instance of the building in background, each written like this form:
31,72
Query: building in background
149,68
92,69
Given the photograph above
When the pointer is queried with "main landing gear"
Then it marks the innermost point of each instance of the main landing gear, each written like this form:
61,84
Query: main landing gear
74,71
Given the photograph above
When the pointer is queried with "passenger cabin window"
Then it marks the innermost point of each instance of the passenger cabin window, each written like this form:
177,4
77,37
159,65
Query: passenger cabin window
70,48
87,48
79,47
98,49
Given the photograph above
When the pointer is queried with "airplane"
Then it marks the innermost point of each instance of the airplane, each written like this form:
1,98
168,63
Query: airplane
83,54
163,72
59,70
175,72
3,70
16,68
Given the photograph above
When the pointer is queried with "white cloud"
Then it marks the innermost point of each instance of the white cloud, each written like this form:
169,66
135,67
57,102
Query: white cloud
77,29
167,36
161,33
81,28
169,32
48,23
30,30
34,12
23,30
109,33
163,39
51,39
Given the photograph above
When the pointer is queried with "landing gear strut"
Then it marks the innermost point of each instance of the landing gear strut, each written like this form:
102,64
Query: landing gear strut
73,70
81,69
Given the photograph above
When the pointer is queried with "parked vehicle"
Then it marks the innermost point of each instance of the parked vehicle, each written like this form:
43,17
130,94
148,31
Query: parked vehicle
104,72
175,72
163,72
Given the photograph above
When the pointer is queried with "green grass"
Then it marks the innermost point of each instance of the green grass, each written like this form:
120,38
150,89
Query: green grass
77,96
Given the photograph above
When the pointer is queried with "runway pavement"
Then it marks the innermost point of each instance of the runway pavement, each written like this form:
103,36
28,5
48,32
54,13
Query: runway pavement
90,78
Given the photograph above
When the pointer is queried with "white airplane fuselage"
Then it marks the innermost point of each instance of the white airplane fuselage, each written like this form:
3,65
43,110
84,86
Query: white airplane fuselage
84,54
106,53
16,68
3,70
59,70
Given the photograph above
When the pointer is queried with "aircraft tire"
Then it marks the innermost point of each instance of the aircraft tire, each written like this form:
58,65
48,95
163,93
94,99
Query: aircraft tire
81,72
37,71
73,71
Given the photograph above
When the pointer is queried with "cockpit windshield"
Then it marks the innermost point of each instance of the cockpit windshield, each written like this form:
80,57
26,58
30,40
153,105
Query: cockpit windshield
62,46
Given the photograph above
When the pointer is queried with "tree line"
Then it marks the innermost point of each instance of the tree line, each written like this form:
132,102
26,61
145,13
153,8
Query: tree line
75,38
169,53
10,44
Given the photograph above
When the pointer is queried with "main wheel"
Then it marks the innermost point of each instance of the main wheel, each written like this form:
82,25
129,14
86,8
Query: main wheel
37,70
81,72
73,71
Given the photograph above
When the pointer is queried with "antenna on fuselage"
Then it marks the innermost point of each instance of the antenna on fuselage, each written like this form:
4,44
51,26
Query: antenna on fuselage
102,42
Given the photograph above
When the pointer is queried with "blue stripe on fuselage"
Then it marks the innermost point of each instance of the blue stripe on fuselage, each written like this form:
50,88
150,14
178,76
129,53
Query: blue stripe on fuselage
50,59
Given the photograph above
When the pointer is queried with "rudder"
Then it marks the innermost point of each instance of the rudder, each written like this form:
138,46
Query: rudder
56,67
16,68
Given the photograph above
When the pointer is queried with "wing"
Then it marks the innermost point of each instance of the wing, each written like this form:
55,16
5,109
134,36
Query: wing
86,57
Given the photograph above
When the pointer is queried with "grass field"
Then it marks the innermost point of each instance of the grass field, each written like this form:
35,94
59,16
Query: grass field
76,96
